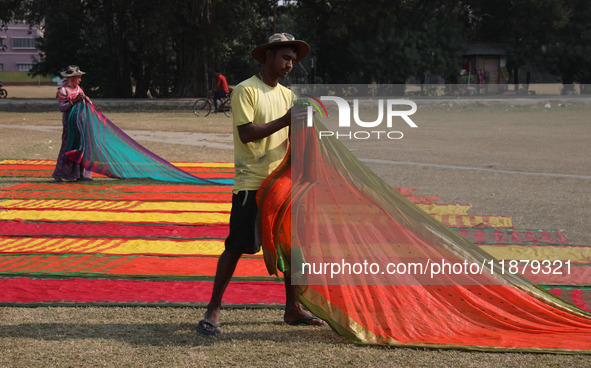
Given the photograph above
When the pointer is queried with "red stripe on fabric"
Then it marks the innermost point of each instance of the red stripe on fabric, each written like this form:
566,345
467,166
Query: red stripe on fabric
28,167
31,174
178,188
53,162
162,196
463,232
36,172
22,263
16,228
212,175
499,236
405,191
57,263
105,208
516,236
545,235
556,291
186,266
8,262
575,275
122,188
586,297
560,237
144,266
529,236
479,236
577,298
102,265
108,222
77,290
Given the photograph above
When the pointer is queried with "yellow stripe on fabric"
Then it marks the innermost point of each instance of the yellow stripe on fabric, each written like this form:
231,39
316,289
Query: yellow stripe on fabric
27,162
474,221
15,245
114,246
550,253
52,162
445,209
451,221
192,247
497,221
115,205
203,164
106,216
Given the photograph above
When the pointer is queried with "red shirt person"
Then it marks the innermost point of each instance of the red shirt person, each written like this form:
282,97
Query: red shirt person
221,89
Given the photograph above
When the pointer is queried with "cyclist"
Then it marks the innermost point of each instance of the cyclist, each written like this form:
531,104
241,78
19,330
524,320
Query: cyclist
221,89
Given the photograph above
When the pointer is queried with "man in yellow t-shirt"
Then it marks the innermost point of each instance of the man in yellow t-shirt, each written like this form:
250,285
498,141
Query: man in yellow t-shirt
261,108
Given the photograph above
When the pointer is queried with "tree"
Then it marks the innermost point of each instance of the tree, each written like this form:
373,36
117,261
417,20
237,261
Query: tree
567,51
383,41
136,48
523,26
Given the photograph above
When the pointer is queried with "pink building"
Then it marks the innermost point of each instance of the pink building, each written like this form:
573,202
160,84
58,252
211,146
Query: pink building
18,47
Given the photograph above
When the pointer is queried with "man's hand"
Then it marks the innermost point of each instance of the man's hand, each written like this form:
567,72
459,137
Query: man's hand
78,98
298,114
252,132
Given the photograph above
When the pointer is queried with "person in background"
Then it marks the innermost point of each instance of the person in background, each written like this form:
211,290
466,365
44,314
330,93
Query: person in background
68,95
221,89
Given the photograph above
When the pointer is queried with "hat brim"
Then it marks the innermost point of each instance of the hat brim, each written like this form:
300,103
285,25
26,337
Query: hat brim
63,74
303,50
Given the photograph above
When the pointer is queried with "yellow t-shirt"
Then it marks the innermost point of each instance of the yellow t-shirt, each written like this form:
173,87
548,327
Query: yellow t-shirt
255,102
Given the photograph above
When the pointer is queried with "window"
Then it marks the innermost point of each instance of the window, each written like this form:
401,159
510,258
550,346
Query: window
1,67
24,67
2,42
24,43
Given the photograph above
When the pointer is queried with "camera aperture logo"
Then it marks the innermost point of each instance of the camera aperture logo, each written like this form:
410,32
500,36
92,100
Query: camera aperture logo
387,110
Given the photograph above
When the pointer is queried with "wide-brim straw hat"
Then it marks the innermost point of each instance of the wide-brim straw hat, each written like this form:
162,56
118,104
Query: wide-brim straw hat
281,39
72,71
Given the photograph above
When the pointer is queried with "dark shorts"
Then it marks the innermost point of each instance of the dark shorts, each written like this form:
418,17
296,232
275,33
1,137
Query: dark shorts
243,236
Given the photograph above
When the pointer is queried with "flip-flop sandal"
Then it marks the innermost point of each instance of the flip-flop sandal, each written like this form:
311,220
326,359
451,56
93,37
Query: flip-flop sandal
207,328
305,320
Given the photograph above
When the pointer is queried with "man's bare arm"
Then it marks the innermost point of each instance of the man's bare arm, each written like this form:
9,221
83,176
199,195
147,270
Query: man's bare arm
253,132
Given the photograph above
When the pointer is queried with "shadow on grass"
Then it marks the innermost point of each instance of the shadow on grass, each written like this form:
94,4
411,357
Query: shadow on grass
167,334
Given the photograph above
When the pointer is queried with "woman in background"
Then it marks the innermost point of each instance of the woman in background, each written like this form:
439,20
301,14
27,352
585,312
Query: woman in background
68,95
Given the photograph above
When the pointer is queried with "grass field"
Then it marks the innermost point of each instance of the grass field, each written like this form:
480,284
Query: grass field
528,162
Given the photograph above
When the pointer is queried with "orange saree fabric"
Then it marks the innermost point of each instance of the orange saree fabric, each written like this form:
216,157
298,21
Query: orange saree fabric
324,208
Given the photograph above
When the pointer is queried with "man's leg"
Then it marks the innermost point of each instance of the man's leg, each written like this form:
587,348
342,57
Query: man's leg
241,225
216,97
225,269
294,312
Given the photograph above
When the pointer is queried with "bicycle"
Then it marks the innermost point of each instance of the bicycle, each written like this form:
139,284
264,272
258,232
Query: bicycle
204,106
3,92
